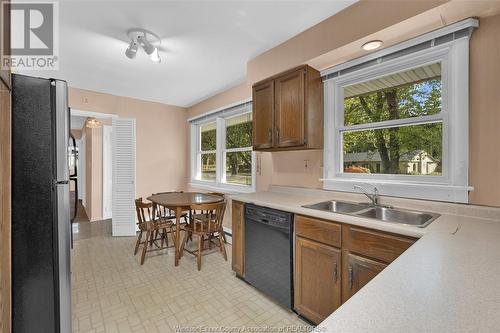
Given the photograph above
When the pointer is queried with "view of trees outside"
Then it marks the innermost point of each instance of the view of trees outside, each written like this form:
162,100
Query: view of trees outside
208,144
410,149
239,162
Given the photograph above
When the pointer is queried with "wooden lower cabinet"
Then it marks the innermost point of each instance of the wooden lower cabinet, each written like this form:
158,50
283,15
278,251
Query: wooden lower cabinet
357,272
317,279
238,238
334,260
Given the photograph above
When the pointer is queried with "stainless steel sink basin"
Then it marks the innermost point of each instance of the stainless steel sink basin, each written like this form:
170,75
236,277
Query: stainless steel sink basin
418,219
381,213
338,206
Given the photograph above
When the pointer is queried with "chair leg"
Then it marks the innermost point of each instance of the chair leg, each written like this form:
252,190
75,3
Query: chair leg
138,242
166,234
162,237
200,249
144,249
151,237
223,247
183,244
224,236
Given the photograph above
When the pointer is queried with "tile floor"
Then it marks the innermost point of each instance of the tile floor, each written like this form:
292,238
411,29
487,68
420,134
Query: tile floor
112,292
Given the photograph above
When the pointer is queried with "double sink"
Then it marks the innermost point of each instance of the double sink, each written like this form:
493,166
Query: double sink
380,213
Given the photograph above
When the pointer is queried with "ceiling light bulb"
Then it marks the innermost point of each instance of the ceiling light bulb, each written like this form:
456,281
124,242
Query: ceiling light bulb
131,49
155,56
148,47
372,45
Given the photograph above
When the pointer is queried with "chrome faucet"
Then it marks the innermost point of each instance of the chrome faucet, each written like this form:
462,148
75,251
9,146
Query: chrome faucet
373,196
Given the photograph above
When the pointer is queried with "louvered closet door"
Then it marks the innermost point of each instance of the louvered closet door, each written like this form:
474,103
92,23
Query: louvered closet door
123,138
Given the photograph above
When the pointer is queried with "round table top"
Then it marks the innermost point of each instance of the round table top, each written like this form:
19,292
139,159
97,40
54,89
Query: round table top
184,199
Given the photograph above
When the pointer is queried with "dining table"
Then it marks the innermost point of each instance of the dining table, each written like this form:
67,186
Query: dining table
180,202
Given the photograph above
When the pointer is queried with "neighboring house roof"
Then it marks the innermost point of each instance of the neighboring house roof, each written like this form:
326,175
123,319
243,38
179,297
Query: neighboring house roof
394,80
375,156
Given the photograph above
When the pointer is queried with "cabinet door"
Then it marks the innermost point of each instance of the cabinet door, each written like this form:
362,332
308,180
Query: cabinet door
263,112
290,109
238,246
317,279
358,271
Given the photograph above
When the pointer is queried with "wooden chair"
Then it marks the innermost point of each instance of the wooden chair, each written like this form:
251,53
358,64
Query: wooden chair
162,212
210,226
155,228
203,214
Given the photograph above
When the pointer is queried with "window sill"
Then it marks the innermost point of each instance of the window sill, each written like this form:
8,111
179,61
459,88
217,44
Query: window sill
218,187
425,191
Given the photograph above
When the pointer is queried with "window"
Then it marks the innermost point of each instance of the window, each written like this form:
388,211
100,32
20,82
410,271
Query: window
401,122
222,149
238,150
207,158
394,120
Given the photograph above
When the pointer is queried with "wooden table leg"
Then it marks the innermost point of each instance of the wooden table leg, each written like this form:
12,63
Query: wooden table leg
178,212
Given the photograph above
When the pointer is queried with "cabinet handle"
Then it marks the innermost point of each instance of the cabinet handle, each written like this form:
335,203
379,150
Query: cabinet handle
335,272
350,272
270,135
278,134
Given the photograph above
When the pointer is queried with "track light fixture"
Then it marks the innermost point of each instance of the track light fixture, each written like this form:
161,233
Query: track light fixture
147,40
131,49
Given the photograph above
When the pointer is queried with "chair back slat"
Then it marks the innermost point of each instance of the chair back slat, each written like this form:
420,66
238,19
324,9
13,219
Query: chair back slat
144,211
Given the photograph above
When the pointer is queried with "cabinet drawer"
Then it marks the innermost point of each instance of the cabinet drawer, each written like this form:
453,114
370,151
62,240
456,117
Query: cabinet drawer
318,230
377,245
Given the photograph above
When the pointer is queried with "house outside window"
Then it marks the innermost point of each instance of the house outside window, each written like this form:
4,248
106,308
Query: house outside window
221,149
399,119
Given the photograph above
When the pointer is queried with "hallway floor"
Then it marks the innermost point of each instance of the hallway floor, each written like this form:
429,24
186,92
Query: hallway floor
112,292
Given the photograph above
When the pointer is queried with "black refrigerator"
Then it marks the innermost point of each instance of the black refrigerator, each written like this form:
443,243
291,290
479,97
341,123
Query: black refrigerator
41,277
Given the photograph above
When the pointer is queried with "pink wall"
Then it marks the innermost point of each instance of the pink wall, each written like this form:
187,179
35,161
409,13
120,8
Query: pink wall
161,150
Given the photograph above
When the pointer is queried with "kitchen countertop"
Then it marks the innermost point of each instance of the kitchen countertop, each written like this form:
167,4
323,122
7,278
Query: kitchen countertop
448,281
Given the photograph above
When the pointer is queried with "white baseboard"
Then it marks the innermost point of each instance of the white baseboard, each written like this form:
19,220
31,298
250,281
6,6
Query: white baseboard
228,233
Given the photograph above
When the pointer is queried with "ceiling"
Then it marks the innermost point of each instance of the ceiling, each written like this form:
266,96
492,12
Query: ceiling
205,44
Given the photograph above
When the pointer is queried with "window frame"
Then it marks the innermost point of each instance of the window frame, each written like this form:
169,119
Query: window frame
220,183
452,185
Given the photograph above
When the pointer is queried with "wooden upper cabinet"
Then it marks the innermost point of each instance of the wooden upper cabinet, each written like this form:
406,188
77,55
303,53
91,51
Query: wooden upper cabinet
263,113
288,111
317,279
238,239
358,271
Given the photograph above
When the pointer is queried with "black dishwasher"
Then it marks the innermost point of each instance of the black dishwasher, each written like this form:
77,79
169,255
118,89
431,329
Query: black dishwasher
268,252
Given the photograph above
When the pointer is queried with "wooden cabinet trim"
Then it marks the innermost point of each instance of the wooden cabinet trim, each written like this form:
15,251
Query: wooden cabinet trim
238,238
5,208
322,231
280,74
